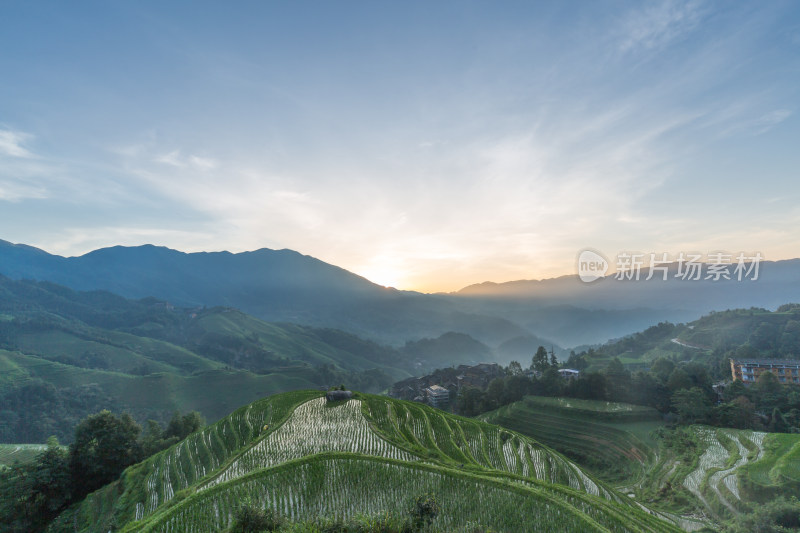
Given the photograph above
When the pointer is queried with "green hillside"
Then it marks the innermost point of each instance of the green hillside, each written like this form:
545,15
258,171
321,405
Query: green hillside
306,458
66,354
610,439
704,472
712,339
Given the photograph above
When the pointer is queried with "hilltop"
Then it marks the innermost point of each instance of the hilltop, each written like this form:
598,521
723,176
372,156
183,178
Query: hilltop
298,455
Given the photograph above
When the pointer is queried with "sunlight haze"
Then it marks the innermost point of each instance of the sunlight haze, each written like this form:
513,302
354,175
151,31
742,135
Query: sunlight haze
425,146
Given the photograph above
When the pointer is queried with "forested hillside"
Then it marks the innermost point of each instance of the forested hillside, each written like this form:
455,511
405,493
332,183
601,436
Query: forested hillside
65,354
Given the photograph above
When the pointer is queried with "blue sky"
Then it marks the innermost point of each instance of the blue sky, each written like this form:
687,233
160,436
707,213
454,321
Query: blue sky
425,145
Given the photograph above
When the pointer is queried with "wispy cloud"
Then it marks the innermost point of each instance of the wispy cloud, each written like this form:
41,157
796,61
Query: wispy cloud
766,122
79,239
747,120
659,23
176,159
14,190
11,143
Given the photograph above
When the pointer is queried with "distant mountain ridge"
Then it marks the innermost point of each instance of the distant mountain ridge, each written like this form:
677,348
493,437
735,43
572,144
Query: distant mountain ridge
286,286
767,291
572,312
274,285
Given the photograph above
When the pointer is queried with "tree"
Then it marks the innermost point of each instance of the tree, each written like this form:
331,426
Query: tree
516,388
183,426
514,368
104,446
470,401
662,368
745,412
551,383
646,389
692,405
540,362
32,494
678,380
553,360
768,392
777,424
496,393
618,381
734,390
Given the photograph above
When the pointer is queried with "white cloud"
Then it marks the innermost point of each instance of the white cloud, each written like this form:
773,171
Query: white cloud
11,144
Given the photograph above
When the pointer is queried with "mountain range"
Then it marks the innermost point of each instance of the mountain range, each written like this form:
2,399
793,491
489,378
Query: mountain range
286,286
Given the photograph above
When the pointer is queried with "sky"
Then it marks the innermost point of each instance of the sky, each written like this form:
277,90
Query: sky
423,145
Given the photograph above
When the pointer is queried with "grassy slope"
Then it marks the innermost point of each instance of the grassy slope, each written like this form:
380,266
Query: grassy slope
472,458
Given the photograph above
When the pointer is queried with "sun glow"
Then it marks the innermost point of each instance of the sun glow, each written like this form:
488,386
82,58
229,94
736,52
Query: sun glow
387,276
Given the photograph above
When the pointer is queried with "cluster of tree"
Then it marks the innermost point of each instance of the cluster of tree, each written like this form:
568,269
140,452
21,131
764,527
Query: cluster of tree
104,444
683,391
772,334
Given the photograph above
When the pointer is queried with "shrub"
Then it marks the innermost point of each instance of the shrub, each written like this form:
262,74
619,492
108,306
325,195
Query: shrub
251,519
425,510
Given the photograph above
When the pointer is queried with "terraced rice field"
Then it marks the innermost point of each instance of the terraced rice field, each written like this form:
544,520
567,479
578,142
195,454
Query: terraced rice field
733,467
21,453
313,427
609,448
776,470
714,481
304,457
324,486
466,441
154,482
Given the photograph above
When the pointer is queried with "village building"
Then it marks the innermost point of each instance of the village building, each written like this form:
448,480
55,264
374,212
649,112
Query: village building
748,370
437,396
338,395
569,373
